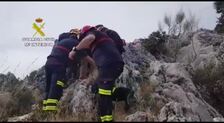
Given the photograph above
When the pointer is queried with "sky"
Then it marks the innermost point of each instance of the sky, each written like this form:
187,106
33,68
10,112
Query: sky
132,20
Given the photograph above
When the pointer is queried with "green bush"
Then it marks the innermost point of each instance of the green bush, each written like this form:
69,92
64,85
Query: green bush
219,6
155,43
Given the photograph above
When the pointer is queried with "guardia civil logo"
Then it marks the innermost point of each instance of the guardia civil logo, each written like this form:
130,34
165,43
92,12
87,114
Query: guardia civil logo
39,29
39,37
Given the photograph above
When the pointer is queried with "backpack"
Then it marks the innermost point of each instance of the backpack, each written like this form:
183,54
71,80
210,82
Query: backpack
61,37
64,35
120,43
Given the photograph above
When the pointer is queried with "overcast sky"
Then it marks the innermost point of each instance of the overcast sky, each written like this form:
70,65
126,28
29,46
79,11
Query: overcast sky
131,20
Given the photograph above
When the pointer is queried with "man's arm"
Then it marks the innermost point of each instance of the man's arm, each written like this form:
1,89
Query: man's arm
85,42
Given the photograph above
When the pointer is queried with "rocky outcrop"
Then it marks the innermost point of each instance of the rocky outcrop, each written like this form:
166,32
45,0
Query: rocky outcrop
138,117
178,93
79,102
9,82
204,47
218,119
206,53
23,118
173,84
36,79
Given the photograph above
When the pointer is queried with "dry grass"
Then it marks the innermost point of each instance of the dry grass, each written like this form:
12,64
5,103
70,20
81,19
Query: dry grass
147,102
5,98
16,103
209,81
146,99
119,112
63,114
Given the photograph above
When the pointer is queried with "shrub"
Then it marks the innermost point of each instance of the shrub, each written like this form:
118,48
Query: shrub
180,25
219,6
23,100
155,43
210,82
177,28
15,103
5,98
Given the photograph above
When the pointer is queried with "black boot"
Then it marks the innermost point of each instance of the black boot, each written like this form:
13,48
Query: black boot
129,100
126,95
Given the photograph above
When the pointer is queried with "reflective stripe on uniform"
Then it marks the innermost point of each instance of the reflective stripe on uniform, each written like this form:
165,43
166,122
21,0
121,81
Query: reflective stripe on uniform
51,108
44,105
114,88
60,83
52,101
44,102
104,92
106,118
44,108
